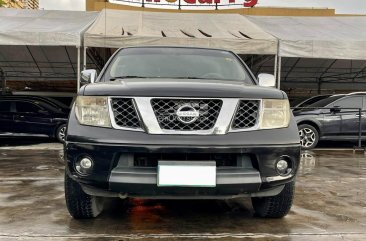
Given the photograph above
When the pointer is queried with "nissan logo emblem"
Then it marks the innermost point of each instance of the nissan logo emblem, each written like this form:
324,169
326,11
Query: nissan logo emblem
187,114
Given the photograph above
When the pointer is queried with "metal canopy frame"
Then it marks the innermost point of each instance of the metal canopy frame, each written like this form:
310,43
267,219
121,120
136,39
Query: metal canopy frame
324,74
42,63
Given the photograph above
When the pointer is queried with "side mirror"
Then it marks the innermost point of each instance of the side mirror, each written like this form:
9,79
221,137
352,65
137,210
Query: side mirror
267,80
335,109
89,75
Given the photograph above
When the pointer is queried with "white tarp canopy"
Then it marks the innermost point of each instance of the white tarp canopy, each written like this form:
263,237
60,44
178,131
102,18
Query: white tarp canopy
42,44
317,37
116,28
43,27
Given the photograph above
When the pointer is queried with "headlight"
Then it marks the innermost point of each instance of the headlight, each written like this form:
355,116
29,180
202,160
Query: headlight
275,114
92,111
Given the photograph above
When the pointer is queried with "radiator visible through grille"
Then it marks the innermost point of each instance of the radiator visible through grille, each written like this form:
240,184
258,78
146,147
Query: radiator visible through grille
246,115
186,114
125,114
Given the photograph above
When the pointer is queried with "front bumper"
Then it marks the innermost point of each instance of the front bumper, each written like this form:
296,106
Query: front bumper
115,173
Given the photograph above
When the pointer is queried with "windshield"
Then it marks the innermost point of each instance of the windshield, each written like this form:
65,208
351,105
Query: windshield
327,101
178,63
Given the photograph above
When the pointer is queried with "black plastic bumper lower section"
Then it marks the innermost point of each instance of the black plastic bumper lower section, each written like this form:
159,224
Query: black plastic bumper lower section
153,192
111,175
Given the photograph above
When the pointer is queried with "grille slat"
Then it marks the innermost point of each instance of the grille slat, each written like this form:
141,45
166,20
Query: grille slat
125,114
221,159
166,113
246,115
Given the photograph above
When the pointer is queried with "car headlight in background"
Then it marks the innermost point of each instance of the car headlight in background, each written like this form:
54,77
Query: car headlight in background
92,111
275,114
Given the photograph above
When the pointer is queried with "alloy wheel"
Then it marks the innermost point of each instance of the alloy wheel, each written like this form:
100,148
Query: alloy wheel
307,137
62,133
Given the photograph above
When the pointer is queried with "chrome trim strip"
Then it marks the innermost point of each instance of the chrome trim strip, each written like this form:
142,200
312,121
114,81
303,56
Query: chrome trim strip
142,124
278,178
148,116
226,115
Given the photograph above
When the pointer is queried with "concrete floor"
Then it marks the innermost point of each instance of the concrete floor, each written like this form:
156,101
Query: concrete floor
330,205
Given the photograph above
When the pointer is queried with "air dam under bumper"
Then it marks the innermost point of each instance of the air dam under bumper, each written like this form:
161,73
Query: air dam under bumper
116,176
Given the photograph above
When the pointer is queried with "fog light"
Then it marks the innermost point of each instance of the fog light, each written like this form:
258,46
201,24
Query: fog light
84,165
282,166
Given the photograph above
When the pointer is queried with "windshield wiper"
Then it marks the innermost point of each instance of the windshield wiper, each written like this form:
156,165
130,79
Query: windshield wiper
128,77
156,77
188,77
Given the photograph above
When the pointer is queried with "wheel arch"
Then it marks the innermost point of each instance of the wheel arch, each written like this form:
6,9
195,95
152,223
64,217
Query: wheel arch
311,123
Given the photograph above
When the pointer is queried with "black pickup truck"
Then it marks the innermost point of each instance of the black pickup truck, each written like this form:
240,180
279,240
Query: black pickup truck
180,123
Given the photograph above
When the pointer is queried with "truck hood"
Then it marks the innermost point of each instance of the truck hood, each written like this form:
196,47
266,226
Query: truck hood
181,88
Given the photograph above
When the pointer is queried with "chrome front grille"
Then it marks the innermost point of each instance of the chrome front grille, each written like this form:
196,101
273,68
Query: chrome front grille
190,116
186,114
125,113
246,115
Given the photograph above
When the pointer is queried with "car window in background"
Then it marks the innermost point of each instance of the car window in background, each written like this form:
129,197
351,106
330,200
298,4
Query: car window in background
48,106
326,102
296,102
27,107
350,102
58,103
313,100
5,106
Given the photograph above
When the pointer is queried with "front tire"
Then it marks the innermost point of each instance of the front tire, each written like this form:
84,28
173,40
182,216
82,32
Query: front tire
61,133
309,136
277,206
79,204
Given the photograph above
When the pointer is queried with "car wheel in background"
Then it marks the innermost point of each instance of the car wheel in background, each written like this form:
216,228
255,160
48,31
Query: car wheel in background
277,206
61,133
80,204
309,136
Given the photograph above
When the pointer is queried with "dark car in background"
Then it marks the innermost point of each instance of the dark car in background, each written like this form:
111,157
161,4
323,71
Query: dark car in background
335,118
51,101
300,103
32,116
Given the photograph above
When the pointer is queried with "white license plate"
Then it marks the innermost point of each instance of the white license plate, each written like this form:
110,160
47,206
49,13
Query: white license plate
187,174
